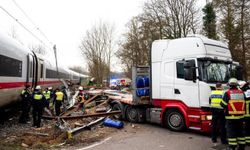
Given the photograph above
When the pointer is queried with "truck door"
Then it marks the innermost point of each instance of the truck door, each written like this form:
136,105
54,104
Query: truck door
186,90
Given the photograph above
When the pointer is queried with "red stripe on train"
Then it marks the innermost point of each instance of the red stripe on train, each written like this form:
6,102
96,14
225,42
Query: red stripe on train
8,85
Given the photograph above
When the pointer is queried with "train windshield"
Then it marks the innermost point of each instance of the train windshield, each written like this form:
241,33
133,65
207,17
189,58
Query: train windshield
215,71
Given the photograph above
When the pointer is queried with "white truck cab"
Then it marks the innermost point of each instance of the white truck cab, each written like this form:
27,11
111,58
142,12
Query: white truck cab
183,73
174,90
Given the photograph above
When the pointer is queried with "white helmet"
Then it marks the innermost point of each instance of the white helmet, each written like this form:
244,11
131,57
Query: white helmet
233,81
50,88
80,88
38,87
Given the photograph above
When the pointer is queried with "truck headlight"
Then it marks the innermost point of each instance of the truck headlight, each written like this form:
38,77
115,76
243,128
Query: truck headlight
209,117
206,117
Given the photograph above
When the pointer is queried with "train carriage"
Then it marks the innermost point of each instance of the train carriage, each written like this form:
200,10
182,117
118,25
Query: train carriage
20,66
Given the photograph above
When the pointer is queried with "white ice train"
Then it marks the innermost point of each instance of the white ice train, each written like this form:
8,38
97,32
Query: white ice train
20,66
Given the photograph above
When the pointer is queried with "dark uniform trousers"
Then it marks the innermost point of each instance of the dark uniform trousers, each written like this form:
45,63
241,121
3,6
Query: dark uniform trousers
247,130
235,133
58,105
25,106
218,121
37,113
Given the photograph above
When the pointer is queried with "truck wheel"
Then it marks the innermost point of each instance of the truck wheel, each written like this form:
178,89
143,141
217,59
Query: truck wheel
132,114
174,120
117,107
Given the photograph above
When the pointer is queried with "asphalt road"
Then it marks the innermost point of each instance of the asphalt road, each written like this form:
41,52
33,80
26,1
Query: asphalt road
153,137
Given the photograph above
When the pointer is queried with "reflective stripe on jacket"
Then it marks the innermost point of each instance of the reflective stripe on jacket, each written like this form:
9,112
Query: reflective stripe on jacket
59,96
38,97
216,98
46,94
247,95
235,104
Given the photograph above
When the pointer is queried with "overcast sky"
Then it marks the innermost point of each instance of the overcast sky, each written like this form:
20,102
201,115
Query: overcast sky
64,22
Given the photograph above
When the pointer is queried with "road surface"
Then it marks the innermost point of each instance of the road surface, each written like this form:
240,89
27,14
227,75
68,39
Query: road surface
153,137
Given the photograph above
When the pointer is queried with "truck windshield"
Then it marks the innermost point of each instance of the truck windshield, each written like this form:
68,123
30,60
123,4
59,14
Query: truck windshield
212,72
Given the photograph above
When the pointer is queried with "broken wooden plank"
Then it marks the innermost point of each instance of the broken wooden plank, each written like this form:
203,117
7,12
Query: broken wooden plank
84,116
37,133
101,109
91,99
79,129
73,109
70,133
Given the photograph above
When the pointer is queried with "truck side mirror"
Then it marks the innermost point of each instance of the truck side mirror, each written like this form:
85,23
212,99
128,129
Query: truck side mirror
239,73
189,70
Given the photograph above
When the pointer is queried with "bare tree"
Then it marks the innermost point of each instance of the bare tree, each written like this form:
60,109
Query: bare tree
97,47
160,19
234,25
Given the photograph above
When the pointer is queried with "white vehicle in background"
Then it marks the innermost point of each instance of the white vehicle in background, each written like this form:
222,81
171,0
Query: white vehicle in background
182,74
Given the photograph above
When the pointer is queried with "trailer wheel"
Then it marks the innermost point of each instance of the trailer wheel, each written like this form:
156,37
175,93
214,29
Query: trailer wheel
174,120
132,114
117,107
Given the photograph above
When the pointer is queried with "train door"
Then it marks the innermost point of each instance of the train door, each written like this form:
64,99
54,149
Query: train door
30,77
40,76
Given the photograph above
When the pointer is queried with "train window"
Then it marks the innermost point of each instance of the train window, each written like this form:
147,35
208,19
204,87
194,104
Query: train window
10,67
51,73
31,69
41,76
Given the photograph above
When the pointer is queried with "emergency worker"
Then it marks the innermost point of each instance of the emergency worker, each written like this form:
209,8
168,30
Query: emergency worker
25,104
51,98
81,92
58,100
81,99
234,105
38,102
245,86
218,116
47,95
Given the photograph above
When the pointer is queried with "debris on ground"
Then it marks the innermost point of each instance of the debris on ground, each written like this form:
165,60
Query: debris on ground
72,127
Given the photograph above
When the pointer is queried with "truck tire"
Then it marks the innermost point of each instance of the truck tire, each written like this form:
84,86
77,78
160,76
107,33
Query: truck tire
174,120
132,114
117,106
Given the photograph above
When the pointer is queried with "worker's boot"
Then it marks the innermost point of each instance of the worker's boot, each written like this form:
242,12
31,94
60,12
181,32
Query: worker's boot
241,147
231,148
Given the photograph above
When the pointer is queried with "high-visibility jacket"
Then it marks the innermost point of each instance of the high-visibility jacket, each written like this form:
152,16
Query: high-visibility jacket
59,96
216,98
234,103
46,94
38,97
247,96
81,99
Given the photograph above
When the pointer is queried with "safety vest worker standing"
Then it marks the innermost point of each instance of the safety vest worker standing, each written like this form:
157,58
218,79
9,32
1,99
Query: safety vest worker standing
58,100
38,102
218,116
25,104
234,105
47,95
245,86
